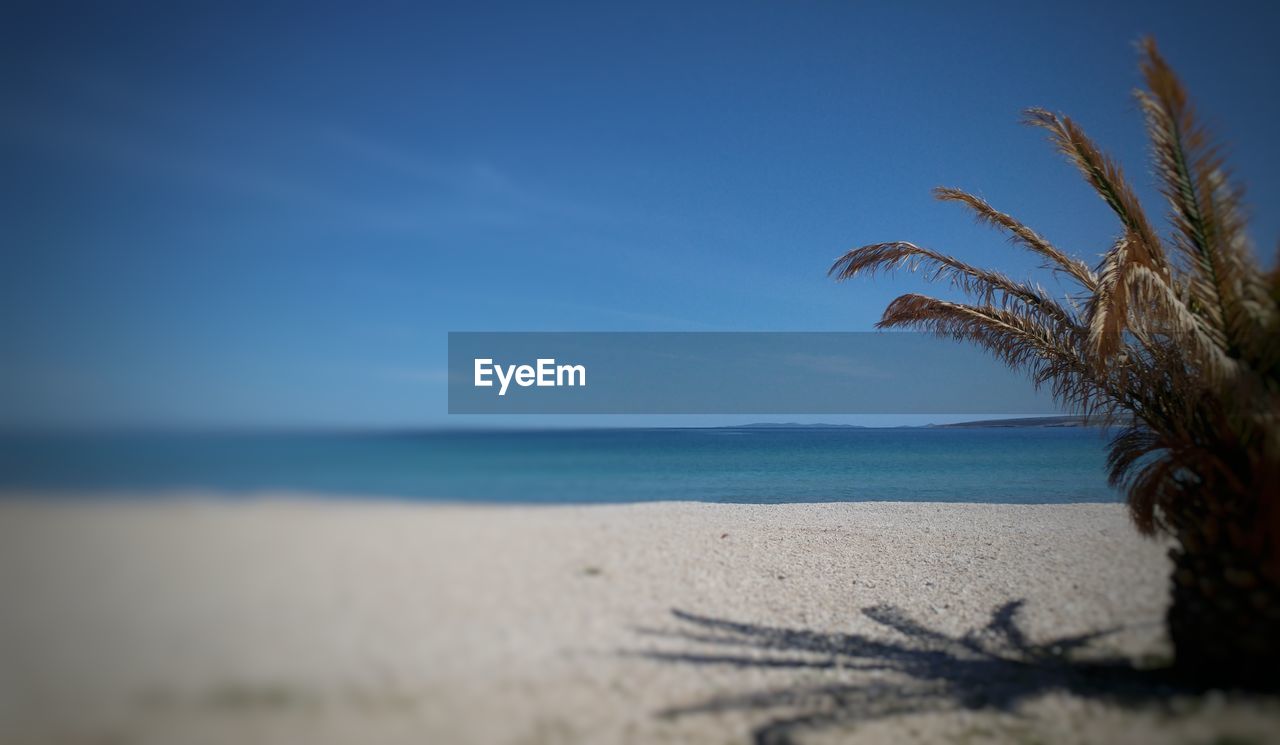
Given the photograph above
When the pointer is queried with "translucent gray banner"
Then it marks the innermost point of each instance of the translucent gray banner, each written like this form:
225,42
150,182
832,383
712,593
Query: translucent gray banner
730,373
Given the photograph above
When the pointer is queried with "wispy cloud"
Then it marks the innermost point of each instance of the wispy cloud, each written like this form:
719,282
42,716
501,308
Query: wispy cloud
413,374
662,321
475,179
174,142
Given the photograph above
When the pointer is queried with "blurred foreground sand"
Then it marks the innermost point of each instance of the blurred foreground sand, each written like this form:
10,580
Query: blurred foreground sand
287,620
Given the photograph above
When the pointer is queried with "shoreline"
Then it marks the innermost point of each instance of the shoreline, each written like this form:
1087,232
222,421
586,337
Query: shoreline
289,618
198,495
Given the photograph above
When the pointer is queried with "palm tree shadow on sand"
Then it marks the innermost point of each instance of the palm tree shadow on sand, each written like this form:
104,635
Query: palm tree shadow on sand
996,667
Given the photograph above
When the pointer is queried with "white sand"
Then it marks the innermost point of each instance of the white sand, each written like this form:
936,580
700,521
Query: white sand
294,621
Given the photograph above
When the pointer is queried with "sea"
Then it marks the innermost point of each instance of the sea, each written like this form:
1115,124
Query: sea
1015,465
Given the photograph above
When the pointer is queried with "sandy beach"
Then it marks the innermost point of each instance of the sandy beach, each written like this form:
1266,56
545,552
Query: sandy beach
289,620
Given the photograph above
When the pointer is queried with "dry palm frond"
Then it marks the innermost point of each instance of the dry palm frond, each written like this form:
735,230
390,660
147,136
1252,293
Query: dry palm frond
1149,480
984,283
1108,309
1020,233
1205,210
1202,343
1139,246
1106,177
1022,337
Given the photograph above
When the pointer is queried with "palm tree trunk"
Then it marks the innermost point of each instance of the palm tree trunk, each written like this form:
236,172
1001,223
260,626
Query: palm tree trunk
1224,620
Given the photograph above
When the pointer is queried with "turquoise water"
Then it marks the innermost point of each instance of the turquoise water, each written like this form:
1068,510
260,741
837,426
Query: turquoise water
1021,465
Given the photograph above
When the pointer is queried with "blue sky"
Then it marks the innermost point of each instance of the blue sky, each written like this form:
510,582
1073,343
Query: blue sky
221,213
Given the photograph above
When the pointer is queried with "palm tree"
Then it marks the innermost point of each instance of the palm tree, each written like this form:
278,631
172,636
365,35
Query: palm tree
1176,340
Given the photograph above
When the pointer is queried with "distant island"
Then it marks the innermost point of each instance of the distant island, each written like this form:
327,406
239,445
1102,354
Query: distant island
1033,421
792,425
